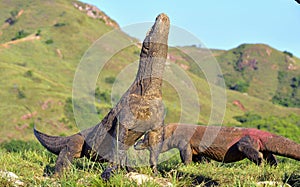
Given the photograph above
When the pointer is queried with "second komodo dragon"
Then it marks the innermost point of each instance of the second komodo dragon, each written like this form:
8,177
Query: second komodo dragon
230,144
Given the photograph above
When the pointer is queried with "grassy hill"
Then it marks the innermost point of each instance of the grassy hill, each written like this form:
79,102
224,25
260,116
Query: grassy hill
38,73
256,69
41,45
263,72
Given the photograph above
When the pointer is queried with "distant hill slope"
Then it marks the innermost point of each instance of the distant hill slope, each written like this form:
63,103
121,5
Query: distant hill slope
42,42
260,71
263,72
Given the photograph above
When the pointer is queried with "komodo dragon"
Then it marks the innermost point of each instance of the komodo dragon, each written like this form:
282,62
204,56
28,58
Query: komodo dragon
140,109
230,145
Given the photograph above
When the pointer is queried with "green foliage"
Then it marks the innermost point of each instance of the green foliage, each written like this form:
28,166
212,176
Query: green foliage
266,79
20,34
232,83
289,94
295,82
236,78
288,53
28,73
102,96
19,146
110,80
38,32
14,13
136,52
59,24
49,41
68,109
241,86
285,126
248,117
21,93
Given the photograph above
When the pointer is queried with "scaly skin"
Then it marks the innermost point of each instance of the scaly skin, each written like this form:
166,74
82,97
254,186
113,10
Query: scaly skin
67,148
230,145
139,110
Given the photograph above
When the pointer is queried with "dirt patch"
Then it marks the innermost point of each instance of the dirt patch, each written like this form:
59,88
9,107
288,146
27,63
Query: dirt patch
26,39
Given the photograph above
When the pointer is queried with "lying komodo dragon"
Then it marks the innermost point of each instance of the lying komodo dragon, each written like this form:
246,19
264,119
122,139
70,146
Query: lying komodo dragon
230,144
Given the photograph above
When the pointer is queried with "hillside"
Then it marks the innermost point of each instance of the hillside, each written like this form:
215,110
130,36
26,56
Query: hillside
38,73
42,43
260,71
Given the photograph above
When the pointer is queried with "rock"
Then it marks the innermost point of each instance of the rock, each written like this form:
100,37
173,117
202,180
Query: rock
11,177
272,183
142,178
95,13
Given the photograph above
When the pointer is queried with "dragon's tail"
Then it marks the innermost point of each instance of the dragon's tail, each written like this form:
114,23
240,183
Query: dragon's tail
54,144
283,146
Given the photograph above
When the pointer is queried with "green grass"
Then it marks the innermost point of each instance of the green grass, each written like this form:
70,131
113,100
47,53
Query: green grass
34,165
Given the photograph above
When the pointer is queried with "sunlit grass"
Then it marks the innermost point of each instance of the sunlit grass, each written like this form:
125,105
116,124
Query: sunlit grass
35,166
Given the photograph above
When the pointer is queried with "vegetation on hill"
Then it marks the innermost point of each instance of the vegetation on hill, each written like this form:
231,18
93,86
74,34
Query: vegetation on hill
256,69
288,91
38,73
263,72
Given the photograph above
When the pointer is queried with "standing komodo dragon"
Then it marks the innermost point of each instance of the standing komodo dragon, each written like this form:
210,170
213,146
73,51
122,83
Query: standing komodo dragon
139,110
230,145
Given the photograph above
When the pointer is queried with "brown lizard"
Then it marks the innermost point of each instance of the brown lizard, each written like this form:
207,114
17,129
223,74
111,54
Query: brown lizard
139,110
230,144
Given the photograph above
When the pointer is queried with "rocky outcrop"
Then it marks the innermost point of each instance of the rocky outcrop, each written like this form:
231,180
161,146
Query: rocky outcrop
95,13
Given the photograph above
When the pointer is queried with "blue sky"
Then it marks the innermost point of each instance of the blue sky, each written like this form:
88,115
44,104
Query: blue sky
218,24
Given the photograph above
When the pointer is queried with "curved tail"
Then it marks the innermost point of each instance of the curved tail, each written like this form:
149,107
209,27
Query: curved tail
283,146
54,144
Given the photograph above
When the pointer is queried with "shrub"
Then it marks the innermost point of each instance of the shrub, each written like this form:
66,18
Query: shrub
286,126
10,21
288,53
68,109
295,82
14,13
102,96
248,117
136,52
20,34
21,94
49,41
59,24
28,74
110,80
241,86
290,98
38,32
